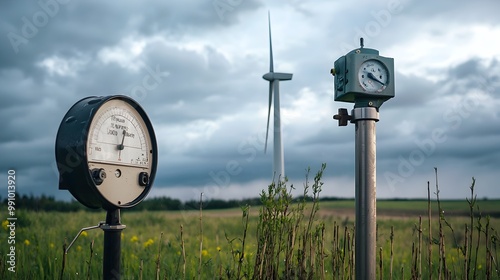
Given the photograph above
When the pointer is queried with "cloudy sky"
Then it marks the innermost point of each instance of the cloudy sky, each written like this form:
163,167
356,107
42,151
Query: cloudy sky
208,101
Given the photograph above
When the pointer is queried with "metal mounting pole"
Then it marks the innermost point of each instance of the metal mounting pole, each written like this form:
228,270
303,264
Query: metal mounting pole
365,180
112,245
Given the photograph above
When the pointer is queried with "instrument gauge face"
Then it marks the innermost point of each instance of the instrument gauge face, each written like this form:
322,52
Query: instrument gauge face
119,136
118,148
373,76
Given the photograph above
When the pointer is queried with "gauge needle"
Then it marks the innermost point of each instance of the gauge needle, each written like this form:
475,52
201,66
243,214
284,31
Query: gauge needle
120,146
371,76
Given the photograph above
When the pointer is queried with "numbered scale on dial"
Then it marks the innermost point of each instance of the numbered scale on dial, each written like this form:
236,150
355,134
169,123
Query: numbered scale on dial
373,76
117,137
115,148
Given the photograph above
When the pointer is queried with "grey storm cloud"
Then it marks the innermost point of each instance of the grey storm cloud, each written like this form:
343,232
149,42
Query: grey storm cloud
196,67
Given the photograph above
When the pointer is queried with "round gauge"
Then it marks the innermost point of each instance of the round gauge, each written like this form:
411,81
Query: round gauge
373,76
111,144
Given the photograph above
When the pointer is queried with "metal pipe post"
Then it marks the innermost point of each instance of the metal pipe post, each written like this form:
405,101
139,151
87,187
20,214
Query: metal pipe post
112,245
365,177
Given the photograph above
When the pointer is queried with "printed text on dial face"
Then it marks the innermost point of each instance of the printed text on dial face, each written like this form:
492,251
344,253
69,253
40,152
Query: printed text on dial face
118,137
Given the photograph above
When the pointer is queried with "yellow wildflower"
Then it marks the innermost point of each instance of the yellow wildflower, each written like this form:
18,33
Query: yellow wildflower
78,248
52,245
204,252
84,233
218,248
134,239
26,242
148,243
4,224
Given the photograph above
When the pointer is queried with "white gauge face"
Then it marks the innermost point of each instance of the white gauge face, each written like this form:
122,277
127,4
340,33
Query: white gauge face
373,76
119,149
118,136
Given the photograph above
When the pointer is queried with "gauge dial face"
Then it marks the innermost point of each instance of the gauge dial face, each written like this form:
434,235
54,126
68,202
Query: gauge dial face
119,145
118,136
373,76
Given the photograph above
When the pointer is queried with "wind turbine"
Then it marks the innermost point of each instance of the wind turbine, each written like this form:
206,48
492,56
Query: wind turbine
274,78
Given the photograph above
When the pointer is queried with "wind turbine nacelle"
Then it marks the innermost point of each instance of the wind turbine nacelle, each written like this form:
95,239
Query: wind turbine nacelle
364,77
272,76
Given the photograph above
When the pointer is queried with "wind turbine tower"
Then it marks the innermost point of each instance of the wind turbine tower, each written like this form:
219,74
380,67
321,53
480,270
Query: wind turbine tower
274,86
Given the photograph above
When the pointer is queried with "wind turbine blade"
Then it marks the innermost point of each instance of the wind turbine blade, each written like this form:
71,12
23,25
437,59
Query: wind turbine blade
269,112
271,63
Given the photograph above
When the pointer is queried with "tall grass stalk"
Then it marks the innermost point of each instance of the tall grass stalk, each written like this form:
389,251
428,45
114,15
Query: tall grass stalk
466,252
479,229
413,261
419,247
242,254
472,203
345,251
494,256
183,252
351,255
63,260
201,237
392,252
141,269
89,262
158,257
442,270
322,255
488,249
381,264
429,248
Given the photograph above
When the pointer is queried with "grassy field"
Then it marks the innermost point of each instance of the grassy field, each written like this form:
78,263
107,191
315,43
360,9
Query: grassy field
153,242
414,208
280,240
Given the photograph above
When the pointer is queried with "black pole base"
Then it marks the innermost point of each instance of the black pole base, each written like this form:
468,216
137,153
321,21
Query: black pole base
112,245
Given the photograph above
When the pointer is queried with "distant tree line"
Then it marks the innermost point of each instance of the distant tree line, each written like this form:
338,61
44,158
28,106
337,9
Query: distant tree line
49,203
